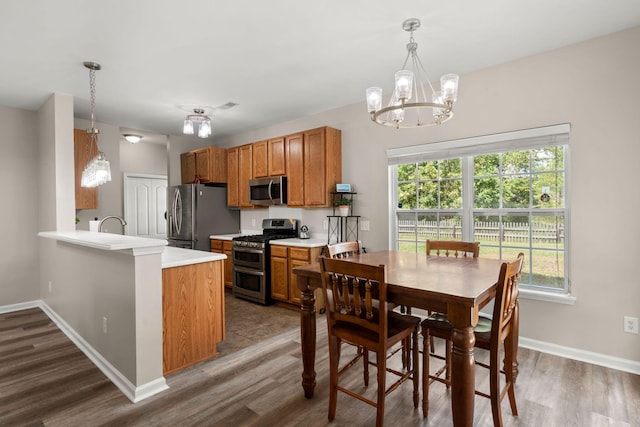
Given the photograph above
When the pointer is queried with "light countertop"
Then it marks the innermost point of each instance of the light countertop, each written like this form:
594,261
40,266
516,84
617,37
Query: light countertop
303,243
104,241
224,236
176,257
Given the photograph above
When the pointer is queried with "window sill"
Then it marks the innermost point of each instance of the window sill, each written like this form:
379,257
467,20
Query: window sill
557,298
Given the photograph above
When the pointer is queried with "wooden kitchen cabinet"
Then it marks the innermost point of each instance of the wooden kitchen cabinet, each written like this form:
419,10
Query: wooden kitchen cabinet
295,169
239,172
314,166
192,314
233,177
205,165
245,174
260,159
220,246
284,285
277,158
86,198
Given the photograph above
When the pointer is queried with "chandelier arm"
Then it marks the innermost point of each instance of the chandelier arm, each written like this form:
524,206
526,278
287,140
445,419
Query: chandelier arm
447,113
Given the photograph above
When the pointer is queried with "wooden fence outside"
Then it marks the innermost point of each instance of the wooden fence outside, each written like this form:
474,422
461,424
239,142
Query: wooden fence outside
487,231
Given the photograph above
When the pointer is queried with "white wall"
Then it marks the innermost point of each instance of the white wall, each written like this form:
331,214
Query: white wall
592,85
143,157
19,165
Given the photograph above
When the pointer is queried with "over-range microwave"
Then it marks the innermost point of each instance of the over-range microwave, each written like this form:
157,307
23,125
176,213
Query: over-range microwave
268,191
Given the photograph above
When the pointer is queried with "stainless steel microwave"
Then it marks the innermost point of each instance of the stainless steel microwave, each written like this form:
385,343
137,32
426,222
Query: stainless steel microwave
268,191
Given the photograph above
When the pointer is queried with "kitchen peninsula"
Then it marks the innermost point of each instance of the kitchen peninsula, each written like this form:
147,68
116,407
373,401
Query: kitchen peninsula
105,291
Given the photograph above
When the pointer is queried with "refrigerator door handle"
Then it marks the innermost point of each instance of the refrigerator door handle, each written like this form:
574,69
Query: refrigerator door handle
177,211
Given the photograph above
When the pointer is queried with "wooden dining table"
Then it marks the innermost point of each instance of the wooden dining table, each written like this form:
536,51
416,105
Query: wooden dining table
459,287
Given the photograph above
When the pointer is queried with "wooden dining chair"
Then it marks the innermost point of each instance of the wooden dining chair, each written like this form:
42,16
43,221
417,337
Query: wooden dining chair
344,249
453,248
490,335
357,314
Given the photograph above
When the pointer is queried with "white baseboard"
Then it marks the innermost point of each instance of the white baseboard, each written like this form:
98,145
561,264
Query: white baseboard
135,394
607,361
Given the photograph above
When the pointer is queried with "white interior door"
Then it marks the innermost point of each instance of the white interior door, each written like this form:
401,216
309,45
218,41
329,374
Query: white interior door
145,204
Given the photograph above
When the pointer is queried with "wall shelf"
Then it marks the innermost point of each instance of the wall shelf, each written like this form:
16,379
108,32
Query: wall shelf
342,228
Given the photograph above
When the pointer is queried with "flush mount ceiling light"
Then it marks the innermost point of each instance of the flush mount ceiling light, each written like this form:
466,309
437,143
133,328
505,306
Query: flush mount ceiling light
132,138
97,171
410,105
197,118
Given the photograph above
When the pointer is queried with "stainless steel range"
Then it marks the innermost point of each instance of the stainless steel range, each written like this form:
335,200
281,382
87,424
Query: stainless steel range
251,259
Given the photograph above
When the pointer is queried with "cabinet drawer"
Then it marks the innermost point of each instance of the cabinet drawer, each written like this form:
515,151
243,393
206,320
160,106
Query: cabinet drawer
216,245
301,254
227,244
279,251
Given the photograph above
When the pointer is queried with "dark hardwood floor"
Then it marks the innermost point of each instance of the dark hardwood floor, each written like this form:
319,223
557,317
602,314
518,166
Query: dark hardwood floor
46,380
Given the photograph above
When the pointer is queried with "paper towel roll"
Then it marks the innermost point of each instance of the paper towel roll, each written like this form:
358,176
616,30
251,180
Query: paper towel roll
93,225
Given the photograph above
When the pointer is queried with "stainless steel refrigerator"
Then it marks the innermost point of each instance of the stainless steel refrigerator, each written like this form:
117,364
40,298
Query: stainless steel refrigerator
195,212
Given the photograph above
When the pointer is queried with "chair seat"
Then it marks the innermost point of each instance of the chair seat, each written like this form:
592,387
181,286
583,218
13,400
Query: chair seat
438,324
397,325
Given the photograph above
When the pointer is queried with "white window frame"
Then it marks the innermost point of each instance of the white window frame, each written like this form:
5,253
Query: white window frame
467,148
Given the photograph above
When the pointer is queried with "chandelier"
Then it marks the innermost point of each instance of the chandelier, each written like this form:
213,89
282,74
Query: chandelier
410,105
198,117
97,171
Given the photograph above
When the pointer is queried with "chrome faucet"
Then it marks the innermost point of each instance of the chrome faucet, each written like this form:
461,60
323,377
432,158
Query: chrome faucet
122,221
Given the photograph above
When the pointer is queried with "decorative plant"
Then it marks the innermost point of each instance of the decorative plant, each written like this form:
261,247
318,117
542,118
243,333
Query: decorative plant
342,201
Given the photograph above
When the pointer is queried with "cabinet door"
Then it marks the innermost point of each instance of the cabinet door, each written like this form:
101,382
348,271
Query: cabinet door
233,176
294,292
202,164
188,167
314,168
277,157
280,277
86,198
295,167
245,170
228,264
192,314
260,159
322,165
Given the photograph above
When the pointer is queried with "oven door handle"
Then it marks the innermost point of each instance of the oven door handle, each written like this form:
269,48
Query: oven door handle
249,251
252,271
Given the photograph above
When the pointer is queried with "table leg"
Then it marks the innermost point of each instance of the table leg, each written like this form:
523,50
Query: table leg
308,336
462,374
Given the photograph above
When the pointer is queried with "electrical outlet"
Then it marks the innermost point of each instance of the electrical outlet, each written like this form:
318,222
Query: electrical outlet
50,286
364,225
631,325
325,224
104,325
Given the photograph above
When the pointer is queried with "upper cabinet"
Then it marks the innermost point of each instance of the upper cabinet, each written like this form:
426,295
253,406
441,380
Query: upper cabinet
239,172
208,164
314,162
269,158
86,198
311,160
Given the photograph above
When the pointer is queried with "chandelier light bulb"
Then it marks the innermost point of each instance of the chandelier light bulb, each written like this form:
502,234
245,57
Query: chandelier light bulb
374,98
188,127
449,87
404,80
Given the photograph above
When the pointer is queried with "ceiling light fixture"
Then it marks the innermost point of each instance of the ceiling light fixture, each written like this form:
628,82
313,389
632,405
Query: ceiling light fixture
425,109
132,138
97,171
199,118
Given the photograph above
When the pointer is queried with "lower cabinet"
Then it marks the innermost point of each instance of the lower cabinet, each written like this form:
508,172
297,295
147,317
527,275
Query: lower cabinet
192,314
224,247
284,259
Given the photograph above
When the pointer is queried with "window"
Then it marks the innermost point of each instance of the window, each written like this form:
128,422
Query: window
507,191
